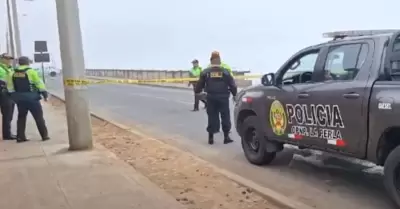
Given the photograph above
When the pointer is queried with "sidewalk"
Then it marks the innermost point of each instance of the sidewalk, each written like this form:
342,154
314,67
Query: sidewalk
44,175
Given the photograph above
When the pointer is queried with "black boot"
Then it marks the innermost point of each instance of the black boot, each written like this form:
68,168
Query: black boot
20,140
196,105
10,137
205,104
210,138
227,138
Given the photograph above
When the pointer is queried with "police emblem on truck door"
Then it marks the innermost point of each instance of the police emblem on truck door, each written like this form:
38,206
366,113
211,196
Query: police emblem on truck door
277,118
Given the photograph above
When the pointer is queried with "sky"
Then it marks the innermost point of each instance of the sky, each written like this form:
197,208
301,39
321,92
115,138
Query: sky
258,35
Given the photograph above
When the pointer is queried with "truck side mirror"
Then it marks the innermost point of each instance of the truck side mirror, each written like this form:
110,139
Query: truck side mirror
268,79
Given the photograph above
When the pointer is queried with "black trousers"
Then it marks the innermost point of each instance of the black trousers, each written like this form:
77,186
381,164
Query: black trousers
35,108
7,111
197,99
216,107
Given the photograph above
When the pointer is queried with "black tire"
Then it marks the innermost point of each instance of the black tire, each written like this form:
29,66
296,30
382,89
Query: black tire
255,156
392,175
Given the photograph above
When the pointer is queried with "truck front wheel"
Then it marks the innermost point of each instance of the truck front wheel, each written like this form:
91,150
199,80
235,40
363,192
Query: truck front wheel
254,143
392,175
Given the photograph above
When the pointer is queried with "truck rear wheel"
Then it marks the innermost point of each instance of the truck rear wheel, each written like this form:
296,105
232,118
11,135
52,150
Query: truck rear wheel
254,143
392,175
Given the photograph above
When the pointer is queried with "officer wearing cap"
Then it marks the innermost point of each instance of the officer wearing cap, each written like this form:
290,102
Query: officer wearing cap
26,89
224,65
6,104
218,83
195,73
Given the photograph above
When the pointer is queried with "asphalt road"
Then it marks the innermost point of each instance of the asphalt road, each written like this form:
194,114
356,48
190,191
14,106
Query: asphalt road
319,180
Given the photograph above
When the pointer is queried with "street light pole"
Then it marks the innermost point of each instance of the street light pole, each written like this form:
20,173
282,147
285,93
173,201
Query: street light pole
10,30
17,37
73,65
8,44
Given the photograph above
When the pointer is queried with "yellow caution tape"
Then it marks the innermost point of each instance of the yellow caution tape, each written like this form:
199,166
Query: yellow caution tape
80,82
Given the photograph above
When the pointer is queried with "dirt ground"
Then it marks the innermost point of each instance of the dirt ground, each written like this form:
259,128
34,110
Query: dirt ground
193,182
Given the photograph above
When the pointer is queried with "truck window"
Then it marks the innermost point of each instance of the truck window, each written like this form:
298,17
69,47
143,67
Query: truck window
345,61
300,70
396,46
395,64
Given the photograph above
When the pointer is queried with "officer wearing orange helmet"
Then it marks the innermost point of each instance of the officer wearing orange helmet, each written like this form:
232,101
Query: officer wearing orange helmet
218,84
224,65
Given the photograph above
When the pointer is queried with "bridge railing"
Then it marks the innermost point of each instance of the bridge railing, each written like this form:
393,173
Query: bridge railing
148,74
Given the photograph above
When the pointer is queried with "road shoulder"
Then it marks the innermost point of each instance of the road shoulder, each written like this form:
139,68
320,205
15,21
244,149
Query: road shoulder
191,180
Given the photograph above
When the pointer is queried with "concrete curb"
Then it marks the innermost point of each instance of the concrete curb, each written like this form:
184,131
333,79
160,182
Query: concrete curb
278,199
130,172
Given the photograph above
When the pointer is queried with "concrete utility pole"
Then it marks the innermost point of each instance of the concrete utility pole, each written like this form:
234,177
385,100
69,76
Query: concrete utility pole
73,65
10,30
8,44
17,37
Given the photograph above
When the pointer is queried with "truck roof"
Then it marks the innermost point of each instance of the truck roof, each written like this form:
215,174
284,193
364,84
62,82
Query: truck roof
344,36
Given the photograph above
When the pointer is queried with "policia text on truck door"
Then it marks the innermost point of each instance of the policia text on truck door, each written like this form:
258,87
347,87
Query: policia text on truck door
342,96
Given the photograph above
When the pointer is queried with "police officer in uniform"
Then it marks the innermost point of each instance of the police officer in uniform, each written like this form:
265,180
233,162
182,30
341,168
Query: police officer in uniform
26,89
195,73
6,104
218,83
223,64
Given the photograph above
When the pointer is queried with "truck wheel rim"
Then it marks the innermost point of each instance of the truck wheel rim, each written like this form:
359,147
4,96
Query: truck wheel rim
251,139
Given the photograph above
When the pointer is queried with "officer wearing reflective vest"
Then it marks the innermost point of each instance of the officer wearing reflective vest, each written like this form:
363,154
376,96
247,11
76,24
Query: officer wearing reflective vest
6,104
195,73
224,65
218,83
26,89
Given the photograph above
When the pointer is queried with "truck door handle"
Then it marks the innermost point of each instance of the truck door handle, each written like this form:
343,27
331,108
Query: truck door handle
351,96
303,95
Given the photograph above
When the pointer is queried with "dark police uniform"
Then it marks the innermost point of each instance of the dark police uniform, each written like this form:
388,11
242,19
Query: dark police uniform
26,88
218,83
